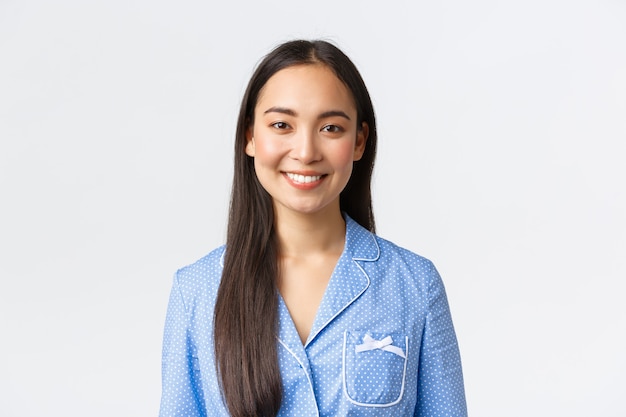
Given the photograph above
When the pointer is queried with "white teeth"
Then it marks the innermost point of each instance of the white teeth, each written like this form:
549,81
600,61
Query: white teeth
303,179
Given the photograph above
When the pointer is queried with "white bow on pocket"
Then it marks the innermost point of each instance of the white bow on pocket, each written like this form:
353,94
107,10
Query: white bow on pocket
369,343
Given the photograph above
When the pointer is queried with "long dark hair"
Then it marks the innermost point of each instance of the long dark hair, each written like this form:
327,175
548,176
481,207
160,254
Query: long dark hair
246,310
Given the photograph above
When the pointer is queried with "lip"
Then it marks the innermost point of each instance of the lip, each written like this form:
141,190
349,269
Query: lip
304,180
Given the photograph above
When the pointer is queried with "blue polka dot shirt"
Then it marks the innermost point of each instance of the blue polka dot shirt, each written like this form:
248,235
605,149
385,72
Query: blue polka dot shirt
382,342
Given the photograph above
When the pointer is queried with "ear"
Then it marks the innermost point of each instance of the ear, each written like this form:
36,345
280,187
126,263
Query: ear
250,148
361,140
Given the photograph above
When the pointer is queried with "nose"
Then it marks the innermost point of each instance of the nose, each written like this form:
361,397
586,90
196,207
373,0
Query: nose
306,147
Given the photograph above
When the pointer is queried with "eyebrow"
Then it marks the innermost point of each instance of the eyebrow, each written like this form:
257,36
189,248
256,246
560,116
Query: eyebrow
290,112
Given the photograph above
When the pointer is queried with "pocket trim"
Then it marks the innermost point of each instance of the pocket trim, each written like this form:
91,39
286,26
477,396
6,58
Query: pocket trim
345,388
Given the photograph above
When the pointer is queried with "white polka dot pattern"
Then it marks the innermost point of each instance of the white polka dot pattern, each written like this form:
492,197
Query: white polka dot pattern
378,292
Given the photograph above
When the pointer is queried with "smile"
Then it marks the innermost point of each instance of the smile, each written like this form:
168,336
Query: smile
303,179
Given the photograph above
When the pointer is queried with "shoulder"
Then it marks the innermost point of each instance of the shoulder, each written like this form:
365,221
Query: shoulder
392,253
408,269
202,276
384,258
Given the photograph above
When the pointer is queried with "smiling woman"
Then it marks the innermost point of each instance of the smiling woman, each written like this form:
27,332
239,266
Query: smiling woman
304,140
305,311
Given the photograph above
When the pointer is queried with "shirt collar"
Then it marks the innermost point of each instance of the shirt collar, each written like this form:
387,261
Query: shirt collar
360,243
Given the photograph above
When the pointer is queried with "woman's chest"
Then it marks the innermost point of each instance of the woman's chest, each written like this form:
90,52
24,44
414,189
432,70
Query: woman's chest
363,362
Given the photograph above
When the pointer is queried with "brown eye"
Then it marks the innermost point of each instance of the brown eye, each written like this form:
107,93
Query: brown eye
332,129
280,125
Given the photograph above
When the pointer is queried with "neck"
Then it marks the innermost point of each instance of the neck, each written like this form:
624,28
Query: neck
301,235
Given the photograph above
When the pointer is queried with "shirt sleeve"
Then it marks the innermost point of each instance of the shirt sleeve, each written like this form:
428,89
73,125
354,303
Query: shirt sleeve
440,390
182,394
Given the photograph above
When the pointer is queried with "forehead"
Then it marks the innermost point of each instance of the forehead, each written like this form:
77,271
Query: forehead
305,87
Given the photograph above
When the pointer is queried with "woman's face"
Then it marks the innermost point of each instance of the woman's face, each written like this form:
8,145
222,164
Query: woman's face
305,138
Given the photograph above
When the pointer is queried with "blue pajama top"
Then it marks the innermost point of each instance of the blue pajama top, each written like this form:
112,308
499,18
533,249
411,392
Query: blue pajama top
382,342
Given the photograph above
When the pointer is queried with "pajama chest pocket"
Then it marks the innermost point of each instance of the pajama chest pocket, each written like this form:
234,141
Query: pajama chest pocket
374,368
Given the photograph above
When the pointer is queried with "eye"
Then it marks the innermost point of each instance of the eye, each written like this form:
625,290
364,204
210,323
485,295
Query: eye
332,129
280,125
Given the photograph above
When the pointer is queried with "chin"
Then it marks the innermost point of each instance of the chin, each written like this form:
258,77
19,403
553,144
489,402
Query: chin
306,209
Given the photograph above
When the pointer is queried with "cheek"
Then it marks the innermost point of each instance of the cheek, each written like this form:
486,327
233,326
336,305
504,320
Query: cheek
266,151
343,155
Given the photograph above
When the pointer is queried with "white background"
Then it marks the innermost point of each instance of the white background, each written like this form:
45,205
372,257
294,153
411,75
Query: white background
502,134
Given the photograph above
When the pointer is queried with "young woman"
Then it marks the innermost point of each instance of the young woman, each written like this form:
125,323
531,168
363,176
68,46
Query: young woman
305,311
